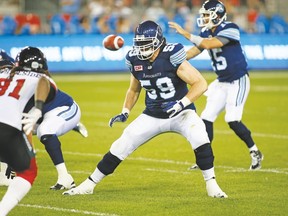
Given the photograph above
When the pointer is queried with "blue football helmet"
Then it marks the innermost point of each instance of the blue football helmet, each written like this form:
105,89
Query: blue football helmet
212,13
5,59
148,38
31,58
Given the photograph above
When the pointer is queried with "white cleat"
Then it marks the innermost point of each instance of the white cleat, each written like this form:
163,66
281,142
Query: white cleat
257,157
214,190
86,187
80,128
66,182
193,167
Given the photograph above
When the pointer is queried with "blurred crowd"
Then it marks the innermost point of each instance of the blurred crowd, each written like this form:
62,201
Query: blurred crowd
121,16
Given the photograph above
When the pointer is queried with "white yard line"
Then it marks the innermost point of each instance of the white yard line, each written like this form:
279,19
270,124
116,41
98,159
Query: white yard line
186,163
255,134
66,210
227,169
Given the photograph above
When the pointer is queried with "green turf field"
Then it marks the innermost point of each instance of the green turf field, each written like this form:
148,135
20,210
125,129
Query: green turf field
155,180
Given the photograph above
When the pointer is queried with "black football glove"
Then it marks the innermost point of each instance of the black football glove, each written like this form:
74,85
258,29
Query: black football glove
10,173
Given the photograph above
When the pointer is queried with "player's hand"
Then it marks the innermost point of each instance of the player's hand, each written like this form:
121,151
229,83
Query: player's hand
172,107
122,117
10,173
30,119
177,27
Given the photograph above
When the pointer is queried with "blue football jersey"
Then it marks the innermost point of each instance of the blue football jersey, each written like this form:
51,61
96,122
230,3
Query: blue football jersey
229,61
61,99
159,78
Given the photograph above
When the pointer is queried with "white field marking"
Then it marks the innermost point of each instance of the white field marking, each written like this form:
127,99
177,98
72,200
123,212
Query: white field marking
186,163
269,88
277,171
265,75
275,136
129,158
227,169
226,132
66,210
167,171
80,172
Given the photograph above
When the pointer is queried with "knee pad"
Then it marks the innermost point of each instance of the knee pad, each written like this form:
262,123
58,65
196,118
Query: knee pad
31,173
108,164
204,156
45,139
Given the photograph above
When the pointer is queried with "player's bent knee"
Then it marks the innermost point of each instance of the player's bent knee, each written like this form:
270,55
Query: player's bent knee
108,164
204,156
30,173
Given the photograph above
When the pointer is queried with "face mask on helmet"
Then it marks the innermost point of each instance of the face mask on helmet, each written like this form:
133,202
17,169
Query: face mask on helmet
148,38
31,58
212,13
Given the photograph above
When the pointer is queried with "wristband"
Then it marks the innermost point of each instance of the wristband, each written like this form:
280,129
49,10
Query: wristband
39,104
125,110
196,39
185,101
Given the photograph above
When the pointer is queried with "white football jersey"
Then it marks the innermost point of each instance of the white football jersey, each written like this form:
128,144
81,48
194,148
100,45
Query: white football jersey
14,95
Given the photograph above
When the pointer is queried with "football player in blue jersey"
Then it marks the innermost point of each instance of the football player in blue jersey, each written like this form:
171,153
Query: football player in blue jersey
161,69
59,116
231,88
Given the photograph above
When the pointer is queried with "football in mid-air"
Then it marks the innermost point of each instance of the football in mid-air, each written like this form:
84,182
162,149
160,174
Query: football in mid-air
113,42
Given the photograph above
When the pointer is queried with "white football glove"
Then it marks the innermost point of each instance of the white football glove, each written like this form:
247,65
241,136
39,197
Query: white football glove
30,119
173,108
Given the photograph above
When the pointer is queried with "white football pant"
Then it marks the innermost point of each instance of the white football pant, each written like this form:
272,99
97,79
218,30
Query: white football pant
229,96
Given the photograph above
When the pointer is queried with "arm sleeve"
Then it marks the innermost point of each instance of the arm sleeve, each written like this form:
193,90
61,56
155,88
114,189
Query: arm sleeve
230,31
179,56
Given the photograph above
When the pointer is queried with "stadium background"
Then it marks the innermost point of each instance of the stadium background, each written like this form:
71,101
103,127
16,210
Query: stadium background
71,36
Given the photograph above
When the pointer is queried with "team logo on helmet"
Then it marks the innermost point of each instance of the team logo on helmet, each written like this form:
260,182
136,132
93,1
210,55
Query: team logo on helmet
220,8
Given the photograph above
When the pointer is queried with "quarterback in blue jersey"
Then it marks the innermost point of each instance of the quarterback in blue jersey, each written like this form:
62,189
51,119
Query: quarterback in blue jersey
231,88
161,69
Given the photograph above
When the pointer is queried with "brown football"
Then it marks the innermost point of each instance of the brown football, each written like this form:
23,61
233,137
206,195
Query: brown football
113,42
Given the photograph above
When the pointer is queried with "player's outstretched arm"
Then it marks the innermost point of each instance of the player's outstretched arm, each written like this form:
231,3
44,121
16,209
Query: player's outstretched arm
179,29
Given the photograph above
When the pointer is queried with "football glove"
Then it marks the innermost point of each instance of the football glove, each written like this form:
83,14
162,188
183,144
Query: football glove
10,173
172,107
122,117
30,119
